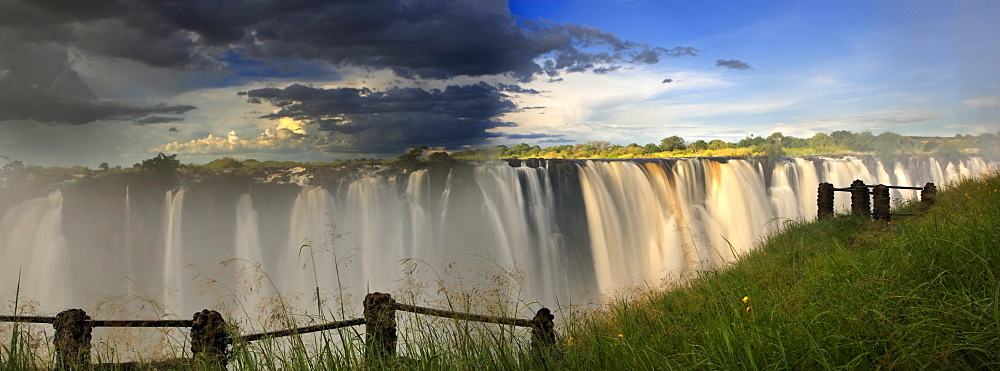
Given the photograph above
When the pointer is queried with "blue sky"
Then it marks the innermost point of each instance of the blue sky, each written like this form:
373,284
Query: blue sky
117,82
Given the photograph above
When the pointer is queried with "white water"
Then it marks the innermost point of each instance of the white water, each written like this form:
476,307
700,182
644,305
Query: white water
173,251
34,251
492,230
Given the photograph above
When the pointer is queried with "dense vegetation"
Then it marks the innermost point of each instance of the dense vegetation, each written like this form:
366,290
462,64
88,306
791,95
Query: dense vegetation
886,145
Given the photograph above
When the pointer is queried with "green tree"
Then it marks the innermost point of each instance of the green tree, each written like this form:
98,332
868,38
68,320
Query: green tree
794,142
820,140
224,163
653,148
441,156
672,143
718,144
698,145
600,146
988,145
775,138
750,141
949,150
412,157
772,151
888,146
861,142
519,150
840,137
160,164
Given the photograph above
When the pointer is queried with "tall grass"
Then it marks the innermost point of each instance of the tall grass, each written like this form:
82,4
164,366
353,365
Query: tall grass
843,293
918,292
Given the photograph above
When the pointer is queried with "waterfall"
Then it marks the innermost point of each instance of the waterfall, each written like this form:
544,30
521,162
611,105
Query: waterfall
175,285
558,232
34,252
310,233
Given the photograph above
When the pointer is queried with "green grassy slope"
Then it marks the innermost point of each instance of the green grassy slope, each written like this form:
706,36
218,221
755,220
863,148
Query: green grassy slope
919,292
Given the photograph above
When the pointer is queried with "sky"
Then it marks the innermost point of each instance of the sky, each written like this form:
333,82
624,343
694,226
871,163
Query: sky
82,83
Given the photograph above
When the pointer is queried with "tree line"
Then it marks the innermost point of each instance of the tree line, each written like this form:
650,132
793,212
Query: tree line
886,146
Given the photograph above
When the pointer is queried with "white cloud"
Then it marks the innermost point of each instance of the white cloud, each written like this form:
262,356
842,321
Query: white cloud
632,99
993,101
890,119
286,136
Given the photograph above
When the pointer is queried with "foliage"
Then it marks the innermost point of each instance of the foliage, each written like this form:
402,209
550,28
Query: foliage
224,163
439,157
672,143
411,158
160,164
888,146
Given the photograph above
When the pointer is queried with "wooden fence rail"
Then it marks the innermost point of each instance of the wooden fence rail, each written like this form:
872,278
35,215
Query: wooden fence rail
210,339
874,202
304,330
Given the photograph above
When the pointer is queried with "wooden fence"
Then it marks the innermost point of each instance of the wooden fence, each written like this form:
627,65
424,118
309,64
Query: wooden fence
873,202
211,340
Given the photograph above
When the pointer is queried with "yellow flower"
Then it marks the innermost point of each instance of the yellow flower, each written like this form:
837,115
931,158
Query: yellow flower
746,299
748,310
620,336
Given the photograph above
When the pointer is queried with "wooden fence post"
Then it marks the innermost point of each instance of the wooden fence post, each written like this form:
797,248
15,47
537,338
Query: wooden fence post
928,196
380,326
880,198
543,335
824,201
209,338
860,199
72,339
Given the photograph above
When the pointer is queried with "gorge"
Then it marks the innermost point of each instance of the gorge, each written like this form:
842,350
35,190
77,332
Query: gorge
553,231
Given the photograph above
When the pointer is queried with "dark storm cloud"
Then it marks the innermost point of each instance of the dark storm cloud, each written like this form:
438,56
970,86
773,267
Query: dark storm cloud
604,70
533,136
732,64
513,88
416,39
391,121
38,84
157,120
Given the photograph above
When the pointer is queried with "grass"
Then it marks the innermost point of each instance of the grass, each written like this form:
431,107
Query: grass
921,292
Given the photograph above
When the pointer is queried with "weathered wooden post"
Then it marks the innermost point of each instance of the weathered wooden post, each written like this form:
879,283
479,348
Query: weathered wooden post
72,339
928,196
543,334
825,200
380,326
880,198
209,338
860,199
